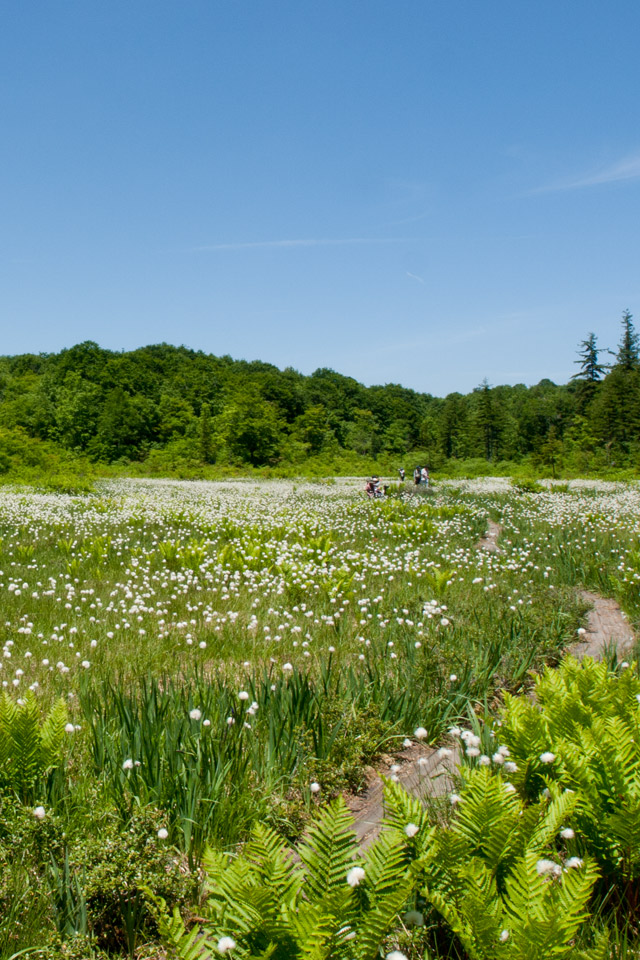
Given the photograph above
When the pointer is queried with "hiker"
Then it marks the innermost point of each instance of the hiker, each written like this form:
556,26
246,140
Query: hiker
424,474
416,476
402,473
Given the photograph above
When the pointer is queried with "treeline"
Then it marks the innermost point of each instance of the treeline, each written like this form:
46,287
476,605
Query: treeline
163,408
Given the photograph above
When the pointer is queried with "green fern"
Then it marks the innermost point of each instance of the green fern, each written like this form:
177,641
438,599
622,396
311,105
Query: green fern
328,850
29,747
284,904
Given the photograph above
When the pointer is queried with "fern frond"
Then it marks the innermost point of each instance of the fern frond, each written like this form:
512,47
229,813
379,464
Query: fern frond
402,807
380,920
385,862
328,849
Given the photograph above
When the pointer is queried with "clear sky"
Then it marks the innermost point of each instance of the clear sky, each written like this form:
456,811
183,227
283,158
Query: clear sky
426,192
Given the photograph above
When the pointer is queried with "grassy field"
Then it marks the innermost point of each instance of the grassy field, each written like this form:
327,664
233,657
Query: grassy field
183,659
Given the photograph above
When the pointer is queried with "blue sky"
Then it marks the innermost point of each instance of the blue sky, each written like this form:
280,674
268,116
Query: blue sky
426,192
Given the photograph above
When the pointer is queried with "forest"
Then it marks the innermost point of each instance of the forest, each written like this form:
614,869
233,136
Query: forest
166,410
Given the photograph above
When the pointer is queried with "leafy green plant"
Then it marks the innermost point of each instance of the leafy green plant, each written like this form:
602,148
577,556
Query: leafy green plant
491,877
30,747
324,902
582,733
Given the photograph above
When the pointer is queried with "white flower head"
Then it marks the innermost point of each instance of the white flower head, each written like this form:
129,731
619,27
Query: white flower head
396,955
572,863
314,787
544,867
411,829
355,876
39,813
547,757
162,833
504,936
420,733
69,728
567,833
243,695
195,714
454,798
225,944
128,764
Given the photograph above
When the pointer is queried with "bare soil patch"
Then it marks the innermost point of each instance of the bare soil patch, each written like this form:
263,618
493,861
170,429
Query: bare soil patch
607,626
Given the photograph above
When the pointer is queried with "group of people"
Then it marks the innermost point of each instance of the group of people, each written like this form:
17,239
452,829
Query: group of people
420,476
374,488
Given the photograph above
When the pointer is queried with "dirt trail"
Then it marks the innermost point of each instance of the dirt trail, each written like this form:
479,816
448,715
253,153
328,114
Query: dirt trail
490,540
424,772
606,627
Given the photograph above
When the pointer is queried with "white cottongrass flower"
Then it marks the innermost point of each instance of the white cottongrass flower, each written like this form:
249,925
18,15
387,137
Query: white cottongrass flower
225,944
572,863
243,695
454,798
544,867
39,813
472,751
128,764
396,955
407,743
567,833
453,677
69,728
504,936
162,833
420,733
355,876
444,752
411,829
314,787
547,757
510,766
287,666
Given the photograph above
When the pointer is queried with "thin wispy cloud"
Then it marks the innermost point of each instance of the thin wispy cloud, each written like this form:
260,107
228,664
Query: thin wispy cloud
628,168
414,276
311,242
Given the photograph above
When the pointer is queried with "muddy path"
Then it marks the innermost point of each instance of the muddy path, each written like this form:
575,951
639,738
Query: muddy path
607,628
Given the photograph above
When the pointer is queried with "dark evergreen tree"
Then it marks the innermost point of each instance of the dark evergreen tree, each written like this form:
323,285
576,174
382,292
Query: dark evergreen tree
627,357
591,371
